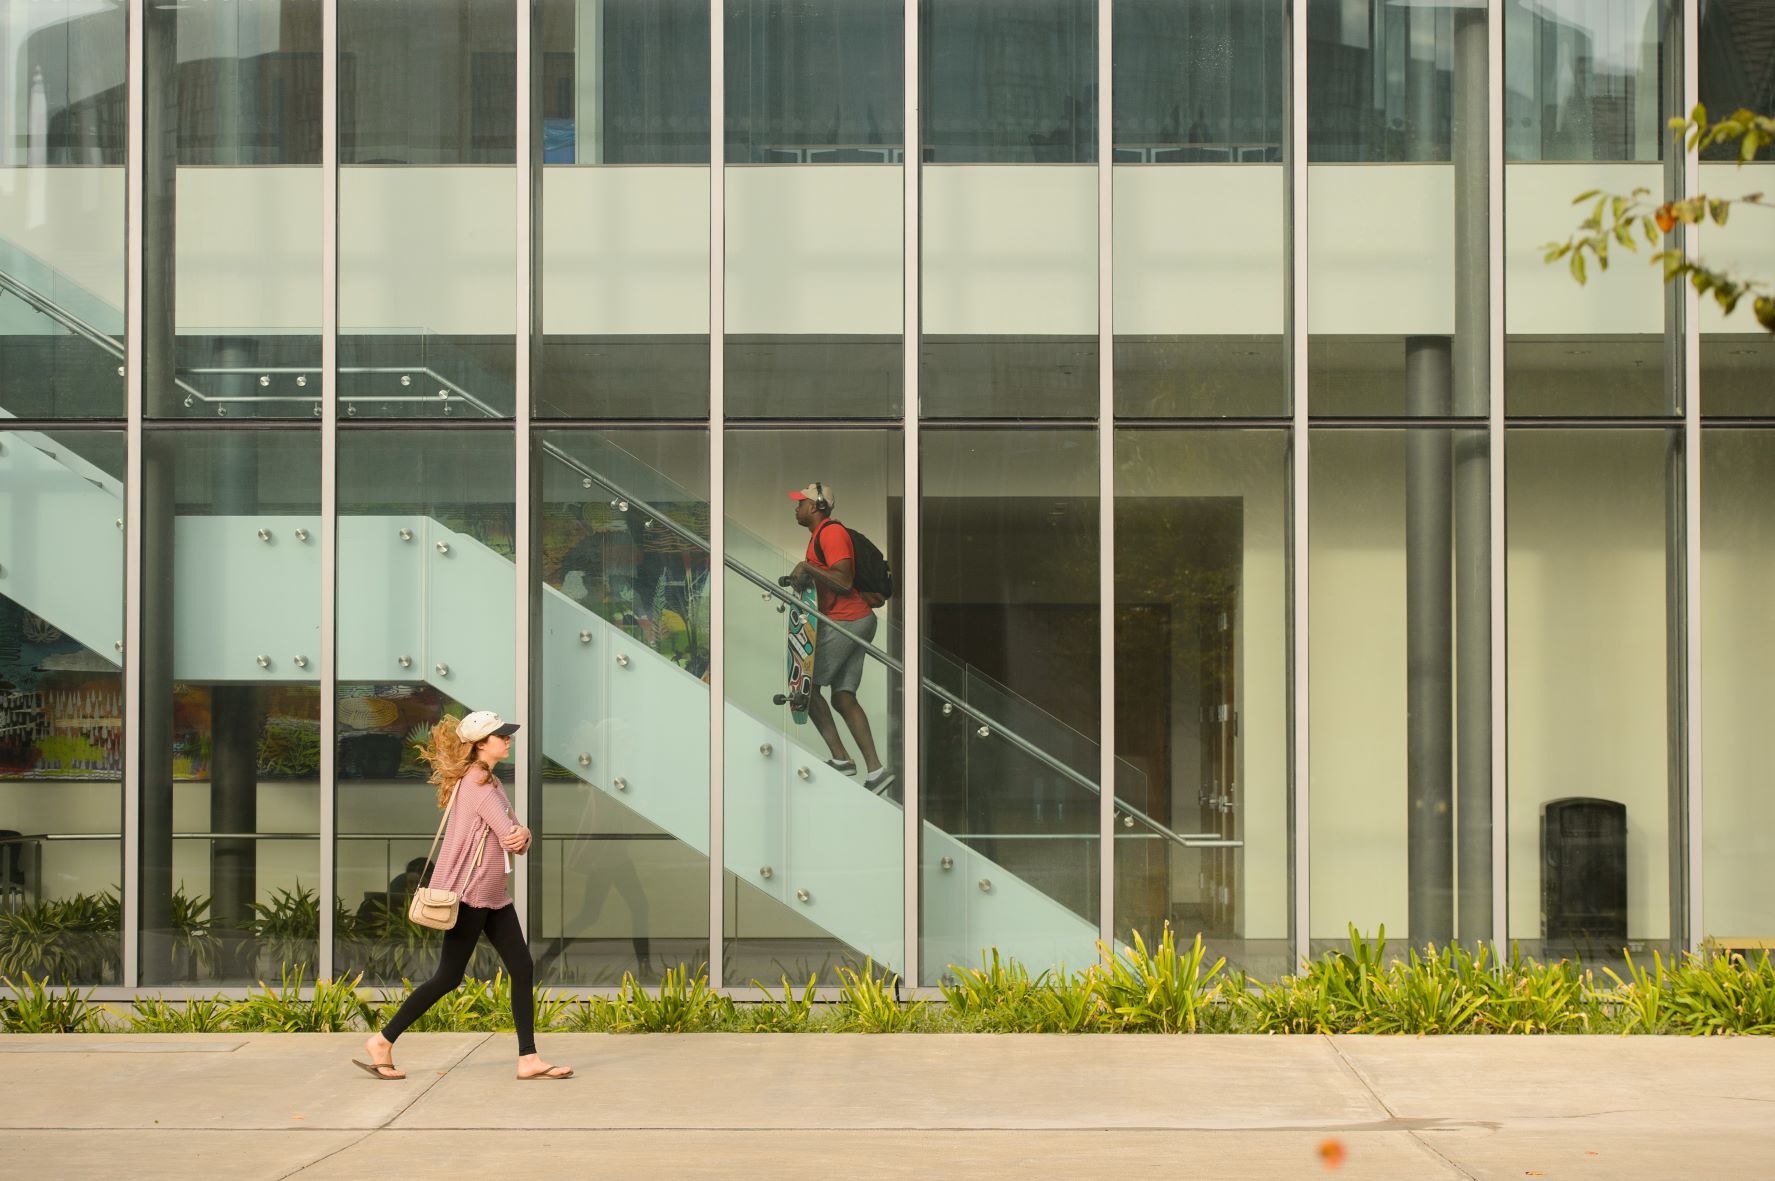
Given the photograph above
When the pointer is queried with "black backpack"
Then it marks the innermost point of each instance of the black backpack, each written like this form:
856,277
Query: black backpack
872,574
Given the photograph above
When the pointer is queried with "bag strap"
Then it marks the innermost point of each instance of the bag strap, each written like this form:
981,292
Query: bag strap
820,550
451,803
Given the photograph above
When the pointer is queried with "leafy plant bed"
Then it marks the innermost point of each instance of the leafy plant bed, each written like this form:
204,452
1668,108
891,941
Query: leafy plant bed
1434,990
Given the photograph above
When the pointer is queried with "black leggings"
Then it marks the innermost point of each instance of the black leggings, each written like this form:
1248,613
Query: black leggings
507,938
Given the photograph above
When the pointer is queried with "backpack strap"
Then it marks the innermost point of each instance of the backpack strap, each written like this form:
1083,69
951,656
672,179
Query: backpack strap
820,550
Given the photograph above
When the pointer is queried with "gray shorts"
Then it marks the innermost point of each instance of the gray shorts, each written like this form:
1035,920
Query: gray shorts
838,652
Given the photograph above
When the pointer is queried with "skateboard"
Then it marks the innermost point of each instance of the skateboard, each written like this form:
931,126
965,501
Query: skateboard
804,628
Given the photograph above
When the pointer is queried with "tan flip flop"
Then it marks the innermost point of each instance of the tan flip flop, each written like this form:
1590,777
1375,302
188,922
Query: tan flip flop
376,1069
549,1074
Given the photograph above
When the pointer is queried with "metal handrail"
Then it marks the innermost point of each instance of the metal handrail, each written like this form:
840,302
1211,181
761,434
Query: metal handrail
772,590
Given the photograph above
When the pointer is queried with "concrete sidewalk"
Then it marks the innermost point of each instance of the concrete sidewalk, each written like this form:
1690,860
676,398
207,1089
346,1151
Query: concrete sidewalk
785,1106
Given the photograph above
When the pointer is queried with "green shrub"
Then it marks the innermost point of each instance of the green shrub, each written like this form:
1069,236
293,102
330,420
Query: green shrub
684,1004
197,1015
37,1009
66,939
1001,997
334,1007
1161,991
792,1013
868,1003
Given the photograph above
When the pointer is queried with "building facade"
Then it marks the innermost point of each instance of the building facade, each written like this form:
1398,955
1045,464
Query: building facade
1280,544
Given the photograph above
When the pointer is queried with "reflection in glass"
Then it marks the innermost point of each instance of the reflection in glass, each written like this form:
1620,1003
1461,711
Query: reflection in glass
797,824
1202,691
1009,254
426,613
1737,71
1737,659
1400,686
61,705
1200,88
247,300
1582,80
620,879
62,133
814,268
1588,86
1009,729
1594,547
1398,255
625,250
230,815
427,195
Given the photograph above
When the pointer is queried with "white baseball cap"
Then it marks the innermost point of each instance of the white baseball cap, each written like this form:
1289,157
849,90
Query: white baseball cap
820,494
484,723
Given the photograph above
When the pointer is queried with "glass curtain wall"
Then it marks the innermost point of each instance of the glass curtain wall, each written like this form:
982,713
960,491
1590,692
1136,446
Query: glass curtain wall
427,165
624,209
1200,113
63,131
1009,214
1202,697
427,630
1737,56
814,839
620,876
230,794
62,141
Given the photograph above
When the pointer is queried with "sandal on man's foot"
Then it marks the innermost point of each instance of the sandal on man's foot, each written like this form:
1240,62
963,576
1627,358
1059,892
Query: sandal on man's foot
388,1072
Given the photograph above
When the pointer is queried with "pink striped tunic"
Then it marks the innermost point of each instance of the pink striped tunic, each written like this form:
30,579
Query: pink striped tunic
481,809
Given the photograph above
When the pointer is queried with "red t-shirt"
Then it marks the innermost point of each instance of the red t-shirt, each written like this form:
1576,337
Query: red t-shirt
835,542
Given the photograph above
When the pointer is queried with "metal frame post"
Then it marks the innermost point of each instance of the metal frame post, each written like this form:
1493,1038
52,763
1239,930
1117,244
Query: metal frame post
912,627
1295,322
717,489
329,479
131,887
524,768
1499,604
1692,439
1106,456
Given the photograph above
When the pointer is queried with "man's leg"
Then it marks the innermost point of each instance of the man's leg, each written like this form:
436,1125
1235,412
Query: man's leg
846,703
821,713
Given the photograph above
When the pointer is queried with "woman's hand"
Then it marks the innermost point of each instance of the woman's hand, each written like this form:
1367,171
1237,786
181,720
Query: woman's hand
516,839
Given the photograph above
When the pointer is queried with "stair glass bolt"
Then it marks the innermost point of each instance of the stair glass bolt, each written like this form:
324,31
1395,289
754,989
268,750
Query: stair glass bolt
766,750
619,783
985,885
442,669
585,760
804,773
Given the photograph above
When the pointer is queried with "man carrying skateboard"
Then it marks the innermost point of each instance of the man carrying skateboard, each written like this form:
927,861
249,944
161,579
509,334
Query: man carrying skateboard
830,566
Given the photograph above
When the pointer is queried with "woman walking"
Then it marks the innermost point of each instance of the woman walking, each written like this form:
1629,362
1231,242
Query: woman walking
462,756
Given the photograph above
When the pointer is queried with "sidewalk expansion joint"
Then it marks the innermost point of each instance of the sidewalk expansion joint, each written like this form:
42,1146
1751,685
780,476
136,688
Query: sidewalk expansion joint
436,1077
1393,1116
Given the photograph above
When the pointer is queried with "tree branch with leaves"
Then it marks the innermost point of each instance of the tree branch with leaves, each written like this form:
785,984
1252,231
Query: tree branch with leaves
1622,219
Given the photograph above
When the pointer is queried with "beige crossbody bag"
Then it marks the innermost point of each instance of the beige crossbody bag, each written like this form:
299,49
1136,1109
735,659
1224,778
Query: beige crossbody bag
438,909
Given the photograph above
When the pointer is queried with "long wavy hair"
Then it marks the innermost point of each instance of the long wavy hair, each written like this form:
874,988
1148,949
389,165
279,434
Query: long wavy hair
449,756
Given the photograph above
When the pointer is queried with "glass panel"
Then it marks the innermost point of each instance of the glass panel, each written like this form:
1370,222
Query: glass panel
231,738
1009,253
426,609
1593,550
814,291
621,883
1011,855
1737,663
62,145
61,705
625,209
815,835
427,200
1398,254
1584,109
1737,71
1202,691
1400,686
247,196
1200,88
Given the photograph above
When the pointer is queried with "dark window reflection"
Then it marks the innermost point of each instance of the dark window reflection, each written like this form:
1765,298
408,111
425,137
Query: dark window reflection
1200,81
814,83
625,81
1737,63
1009,81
